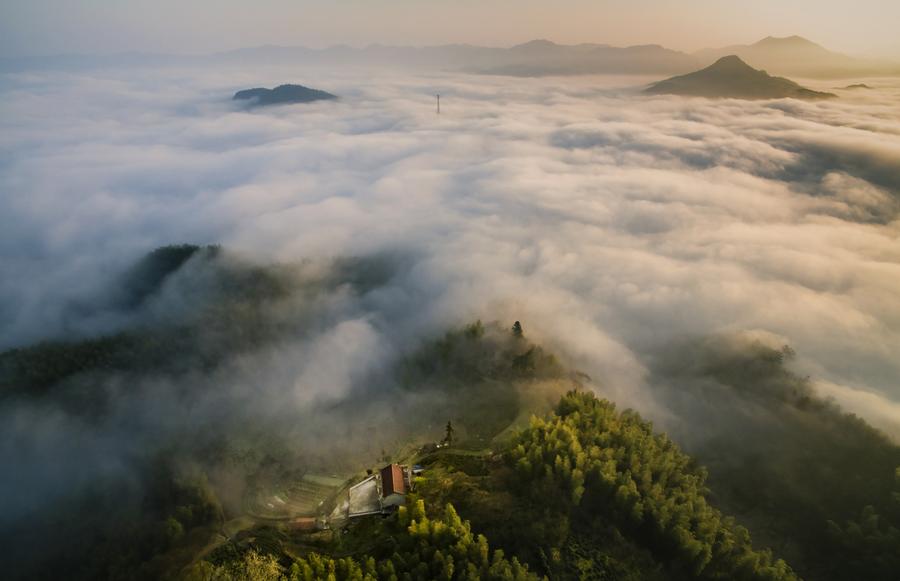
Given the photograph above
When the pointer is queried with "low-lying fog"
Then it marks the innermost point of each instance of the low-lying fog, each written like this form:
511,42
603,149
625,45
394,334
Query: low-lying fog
609,223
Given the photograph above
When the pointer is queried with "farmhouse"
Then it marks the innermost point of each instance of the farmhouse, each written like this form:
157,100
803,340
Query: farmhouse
380,493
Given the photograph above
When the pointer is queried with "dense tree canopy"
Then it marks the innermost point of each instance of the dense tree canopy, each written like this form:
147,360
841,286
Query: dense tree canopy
611,466
422,549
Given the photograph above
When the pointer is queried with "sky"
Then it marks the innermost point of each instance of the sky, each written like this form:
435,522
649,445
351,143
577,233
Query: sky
41,27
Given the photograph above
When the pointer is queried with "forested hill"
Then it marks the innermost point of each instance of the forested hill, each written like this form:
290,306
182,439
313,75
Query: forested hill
591,493
189,414
818,485
586,494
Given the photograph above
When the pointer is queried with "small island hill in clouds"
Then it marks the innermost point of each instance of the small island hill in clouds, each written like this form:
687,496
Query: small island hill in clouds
730,77
282,94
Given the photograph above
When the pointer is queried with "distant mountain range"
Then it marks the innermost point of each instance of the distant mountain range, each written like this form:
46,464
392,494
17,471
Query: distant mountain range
282,95
535,58
730,77
542,57
785,56
795,55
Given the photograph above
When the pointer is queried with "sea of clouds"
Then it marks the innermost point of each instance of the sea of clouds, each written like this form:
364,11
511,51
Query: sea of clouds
611,224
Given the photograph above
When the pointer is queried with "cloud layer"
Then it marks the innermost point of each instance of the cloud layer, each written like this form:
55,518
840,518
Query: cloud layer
611,224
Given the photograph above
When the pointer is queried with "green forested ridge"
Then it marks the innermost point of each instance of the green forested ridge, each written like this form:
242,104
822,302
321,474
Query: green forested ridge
478,375
231,308
589,493
614,468
132,522
228,318
413,546
816,483
478,352
584,493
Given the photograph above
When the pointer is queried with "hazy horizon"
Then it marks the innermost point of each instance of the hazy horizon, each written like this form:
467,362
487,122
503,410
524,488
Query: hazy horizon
56,27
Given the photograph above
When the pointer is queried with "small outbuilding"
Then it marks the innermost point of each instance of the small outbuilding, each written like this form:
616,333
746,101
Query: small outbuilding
393,485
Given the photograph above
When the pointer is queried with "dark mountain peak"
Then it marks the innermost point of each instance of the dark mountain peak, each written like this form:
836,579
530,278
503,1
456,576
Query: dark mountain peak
282,94
730,64
730,77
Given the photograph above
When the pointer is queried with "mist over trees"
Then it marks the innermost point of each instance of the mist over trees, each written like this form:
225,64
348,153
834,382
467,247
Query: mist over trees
771,444
580,490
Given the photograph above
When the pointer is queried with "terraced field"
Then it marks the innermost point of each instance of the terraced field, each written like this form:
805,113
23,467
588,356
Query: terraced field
302,498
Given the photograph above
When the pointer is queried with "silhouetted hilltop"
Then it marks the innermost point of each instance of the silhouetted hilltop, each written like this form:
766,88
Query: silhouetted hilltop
730,77
282,94
797,56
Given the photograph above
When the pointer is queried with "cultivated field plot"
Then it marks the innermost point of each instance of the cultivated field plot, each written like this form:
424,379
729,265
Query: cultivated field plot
302,498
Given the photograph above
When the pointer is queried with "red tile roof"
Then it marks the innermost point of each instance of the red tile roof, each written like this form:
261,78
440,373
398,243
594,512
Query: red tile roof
392,480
